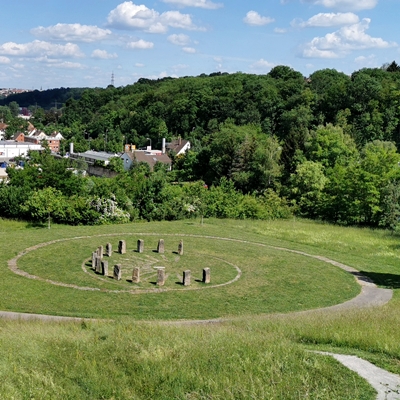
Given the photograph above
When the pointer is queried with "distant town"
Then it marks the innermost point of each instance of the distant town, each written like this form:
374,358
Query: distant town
5,92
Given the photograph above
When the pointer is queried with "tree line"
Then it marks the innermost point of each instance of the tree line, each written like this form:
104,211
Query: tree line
323,147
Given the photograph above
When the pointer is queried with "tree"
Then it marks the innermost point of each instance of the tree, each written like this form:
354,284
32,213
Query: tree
329,145
14,108
115,164
393,67
308,183
43,203
390,206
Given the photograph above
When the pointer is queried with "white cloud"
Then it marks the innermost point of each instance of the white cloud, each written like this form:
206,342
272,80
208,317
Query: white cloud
103,54
190,50
195,3
179,39
139,65
262,65
343,41
68,65
128,15
4,60
140,44
255,19
39,48
72,32
161,75
345,5
280,30
327,20
367,61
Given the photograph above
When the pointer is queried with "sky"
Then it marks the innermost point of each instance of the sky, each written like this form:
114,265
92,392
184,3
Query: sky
47,44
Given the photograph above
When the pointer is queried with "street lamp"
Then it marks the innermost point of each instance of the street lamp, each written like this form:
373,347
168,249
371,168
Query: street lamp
150,142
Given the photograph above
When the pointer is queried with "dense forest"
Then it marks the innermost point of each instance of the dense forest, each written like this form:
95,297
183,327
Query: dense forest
323,147
45,99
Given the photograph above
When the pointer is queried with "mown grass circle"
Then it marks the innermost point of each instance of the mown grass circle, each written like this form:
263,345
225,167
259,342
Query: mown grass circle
247,278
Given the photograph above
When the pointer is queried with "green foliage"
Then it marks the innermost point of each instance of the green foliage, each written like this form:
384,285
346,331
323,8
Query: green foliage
307,184
11,199
115,164
41,204
328,145
314,140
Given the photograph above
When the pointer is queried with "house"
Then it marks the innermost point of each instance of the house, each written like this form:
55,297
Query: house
150,157
178,147
19,137
53,140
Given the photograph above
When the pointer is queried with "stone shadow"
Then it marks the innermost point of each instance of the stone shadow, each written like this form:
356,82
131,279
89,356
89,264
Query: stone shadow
389,281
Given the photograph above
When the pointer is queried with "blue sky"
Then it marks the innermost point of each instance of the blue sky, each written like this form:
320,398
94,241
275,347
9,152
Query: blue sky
58,43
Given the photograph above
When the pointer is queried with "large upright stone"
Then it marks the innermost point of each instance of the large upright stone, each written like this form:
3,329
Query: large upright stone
206,275
104,268
161,277
94,255
98,264
117,272
140,246
160,247
136,275
180,248
186,278
122,247
108,249
100,251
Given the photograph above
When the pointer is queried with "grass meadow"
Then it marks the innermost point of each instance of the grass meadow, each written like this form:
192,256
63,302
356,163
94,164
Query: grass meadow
142,344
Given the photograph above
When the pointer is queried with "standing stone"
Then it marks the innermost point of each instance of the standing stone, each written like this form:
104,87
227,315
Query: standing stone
94,255
100,251
180,248
161,277
136,275
140,246
104,268
117,272
186,278
160,247
98,264
122,247
108,249
206,275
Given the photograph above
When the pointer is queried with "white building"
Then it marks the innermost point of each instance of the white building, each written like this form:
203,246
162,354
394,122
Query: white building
10,149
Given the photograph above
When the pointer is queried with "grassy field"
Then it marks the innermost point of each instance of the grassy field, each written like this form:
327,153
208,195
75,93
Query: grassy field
259,354
270,280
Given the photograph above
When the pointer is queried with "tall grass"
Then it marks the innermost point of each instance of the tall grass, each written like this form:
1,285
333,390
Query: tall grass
130,361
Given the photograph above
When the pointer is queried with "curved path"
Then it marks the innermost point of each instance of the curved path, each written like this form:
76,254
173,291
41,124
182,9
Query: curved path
370,295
